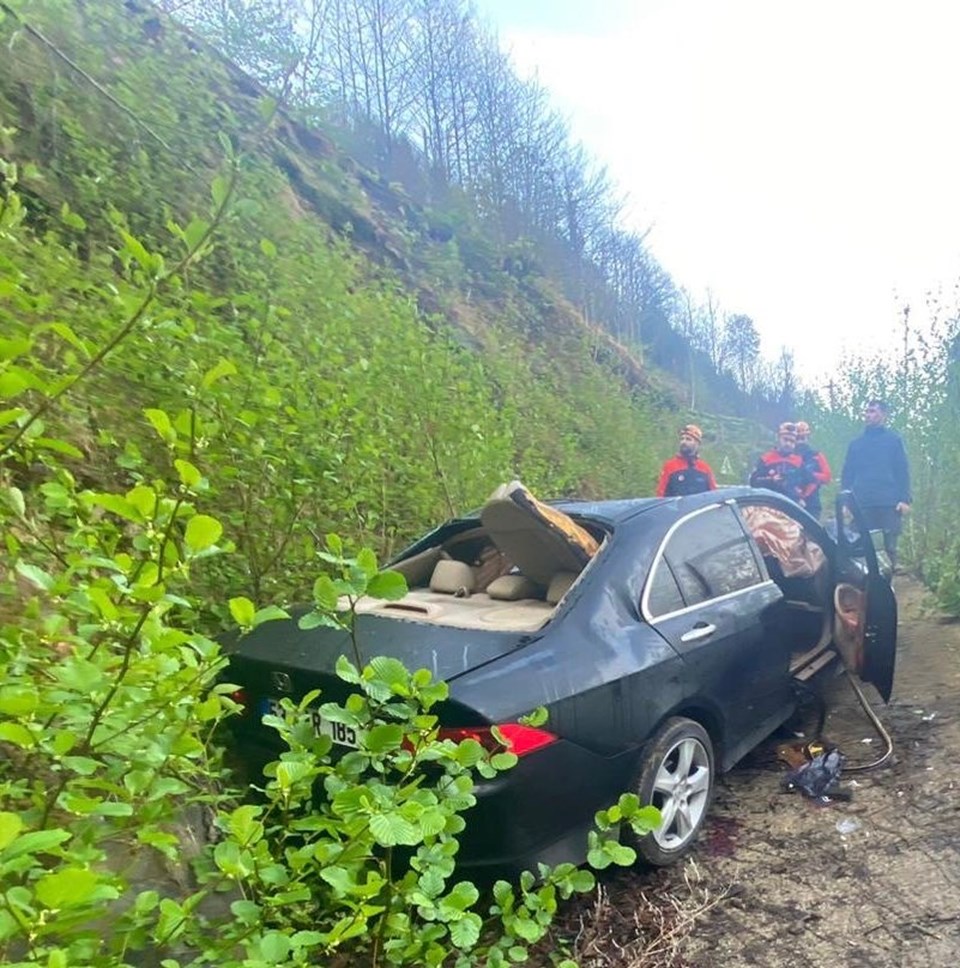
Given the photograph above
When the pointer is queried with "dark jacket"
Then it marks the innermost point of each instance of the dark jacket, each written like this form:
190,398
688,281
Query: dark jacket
785,473
816,463
685,475
876,469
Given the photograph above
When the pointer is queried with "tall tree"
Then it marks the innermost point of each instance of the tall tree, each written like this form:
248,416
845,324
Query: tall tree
742,345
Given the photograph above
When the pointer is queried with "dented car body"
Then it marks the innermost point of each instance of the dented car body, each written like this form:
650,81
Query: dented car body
665,637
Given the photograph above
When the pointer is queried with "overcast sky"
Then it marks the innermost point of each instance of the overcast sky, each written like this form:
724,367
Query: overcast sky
802,160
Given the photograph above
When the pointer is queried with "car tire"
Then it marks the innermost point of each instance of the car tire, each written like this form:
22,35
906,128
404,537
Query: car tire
676,775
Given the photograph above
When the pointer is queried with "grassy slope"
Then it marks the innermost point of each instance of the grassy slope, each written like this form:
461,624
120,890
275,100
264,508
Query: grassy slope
384,378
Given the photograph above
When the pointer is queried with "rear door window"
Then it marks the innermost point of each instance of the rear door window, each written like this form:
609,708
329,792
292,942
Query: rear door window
709,555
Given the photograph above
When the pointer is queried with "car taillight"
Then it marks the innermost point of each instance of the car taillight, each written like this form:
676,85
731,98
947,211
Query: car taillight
519,739
242,699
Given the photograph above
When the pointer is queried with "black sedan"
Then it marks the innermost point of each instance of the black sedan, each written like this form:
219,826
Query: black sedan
665,637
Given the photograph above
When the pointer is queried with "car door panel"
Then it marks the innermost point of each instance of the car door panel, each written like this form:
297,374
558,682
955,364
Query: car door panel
871,646
729,659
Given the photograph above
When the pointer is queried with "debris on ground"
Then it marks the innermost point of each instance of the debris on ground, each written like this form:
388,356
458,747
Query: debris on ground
819,777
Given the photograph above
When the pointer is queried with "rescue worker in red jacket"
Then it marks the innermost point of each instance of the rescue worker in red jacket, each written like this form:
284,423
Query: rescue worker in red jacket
782,469
686,473
816,463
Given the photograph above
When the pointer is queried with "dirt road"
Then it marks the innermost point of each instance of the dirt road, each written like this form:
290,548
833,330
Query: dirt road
780,882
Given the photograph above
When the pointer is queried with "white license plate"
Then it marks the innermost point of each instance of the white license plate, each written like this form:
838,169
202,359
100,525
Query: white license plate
340,733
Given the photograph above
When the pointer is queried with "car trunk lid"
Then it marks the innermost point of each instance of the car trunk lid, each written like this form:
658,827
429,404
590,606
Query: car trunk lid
280,659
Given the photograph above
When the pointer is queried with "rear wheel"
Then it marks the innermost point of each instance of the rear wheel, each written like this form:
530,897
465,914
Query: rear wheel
676,776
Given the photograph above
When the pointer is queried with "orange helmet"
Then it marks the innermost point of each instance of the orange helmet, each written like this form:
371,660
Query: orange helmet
788,430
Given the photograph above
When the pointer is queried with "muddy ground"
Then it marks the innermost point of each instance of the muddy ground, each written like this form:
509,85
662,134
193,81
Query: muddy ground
779,881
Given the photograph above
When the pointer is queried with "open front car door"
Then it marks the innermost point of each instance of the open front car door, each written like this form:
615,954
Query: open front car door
865,623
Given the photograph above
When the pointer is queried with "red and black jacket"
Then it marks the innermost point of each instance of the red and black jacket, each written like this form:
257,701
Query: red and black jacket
685,475
816,464
785,473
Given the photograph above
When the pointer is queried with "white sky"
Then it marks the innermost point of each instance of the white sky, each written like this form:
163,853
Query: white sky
802,160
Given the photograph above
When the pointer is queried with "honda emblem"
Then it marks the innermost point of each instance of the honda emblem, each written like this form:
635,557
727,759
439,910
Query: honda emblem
281,682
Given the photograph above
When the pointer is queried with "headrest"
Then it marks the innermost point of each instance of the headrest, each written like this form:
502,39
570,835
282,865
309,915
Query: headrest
452,578
511,588
560,585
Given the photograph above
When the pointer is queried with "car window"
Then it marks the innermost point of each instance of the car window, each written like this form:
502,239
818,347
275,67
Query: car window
664,596
710,555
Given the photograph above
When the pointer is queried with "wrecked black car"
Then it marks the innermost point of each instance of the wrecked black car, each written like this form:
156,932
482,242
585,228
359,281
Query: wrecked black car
665,637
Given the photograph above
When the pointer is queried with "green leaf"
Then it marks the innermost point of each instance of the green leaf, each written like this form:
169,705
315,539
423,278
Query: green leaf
10,349
334,544
10,826
390,829
268,248
112,808
137,249
34,842
390,585
202,532
18,700
194,232
346,670
66,888
68,335
8,416
274,947
246,912
12,382
469,753
465,932
144,499
242,610
464,895
189,475
34,575
367,561
270,613
582,881
316,619
83,765
217,372
325,593
58,447
219,188
290,773
338,878
503,761
18,734
244,825
161,424
71,218
13,497
390,671
387,736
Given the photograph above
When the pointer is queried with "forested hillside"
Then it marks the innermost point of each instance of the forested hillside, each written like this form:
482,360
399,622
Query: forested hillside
194,274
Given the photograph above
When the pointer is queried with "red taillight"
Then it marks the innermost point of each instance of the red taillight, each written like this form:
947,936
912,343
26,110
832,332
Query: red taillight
519,739
242,699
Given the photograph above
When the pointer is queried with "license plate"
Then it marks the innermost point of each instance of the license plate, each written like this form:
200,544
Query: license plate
340,733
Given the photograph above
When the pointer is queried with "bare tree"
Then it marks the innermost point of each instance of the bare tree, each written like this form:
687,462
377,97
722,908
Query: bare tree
742,345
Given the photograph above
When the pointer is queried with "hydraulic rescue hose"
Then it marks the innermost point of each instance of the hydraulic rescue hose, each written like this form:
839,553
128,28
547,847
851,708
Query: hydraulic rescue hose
877,725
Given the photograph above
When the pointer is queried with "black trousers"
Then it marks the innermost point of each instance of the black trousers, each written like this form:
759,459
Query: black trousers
890,522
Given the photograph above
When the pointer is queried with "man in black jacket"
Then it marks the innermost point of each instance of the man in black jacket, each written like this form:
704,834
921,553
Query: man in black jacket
876,471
